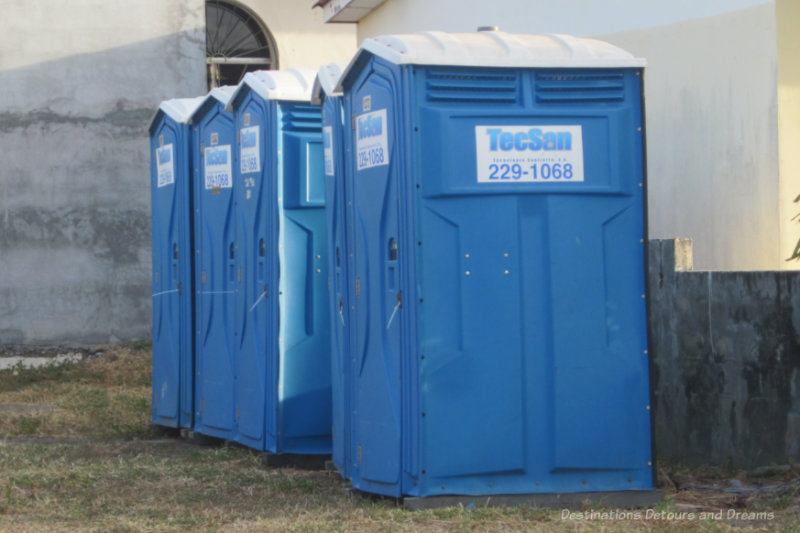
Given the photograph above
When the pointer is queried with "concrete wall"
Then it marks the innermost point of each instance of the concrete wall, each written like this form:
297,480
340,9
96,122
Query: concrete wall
726,353
712,106
79,82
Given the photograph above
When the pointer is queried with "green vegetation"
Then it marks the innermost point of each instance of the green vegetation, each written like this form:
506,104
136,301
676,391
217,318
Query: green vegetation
77,452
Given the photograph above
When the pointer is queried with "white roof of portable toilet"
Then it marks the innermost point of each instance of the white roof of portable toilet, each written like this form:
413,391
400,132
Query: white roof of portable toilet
293,84
181,109
220,94
178,109
326,81
494,49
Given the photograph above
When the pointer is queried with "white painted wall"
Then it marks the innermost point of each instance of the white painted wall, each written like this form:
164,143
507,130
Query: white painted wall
302,37
712,135
711,103
788,17
575,17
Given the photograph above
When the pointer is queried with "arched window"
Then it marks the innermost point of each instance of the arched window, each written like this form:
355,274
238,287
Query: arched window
236,42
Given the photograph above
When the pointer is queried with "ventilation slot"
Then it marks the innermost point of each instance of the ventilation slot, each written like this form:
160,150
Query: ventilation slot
472,87
572,88
303,118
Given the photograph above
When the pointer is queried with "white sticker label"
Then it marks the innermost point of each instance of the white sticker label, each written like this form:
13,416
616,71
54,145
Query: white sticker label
327,149
250,153
372,147
218,166
165,165
514,154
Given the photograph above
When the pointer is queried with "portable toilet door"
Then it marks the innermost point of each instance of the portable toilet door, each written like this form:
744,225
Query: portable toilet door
324,94
217,273
283,355
499,324
170,187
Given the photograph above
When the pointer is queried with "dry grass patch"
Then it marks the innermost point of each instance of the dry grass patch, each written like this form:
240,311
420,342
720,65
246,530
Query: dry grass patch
77,454
105,397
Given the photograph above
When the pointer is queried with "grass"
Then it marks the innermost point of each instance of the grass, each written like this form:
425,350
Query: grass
80,455
108,397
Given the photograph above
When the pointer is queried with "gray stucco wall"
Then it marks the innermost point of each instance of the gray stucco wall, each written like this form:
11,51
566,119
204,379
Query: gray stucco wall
79,82
726,358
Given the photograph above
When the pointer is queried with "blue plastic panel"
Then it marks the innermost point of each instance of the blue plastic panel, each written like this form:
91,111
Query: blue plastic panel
255,199
338,301
303,348
282,352
302,150
172,270
560,262
377,246
519,362
217,272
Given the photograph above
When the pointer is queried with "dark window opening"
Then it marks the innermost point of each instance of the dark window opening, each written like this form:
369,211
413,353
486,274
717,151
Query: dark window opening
237,42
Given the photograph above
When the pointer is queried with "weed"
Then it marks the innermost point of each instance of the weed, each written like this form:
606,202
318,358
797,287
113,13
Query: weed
93,469
28,425
666,506
788,498
730,467
142,345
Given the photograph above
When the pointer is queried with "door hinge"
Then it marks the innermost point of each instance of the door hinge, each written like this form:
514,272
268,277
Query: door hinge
240,275
202,406
358,452
238,412
358,287
179,287
354,121
203,277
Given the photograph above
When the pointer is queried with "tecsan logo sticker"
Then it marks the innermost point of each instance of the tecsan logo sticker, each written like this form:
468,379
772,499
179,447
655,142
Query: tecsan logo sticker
515,154
372,147
165,165
218,167
250,154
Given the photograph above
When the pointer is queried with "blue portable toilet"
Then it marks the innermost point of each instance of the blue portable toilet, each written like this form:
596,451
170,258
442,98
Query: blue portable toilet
217,278
324,93
282,358
498,319
170,188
